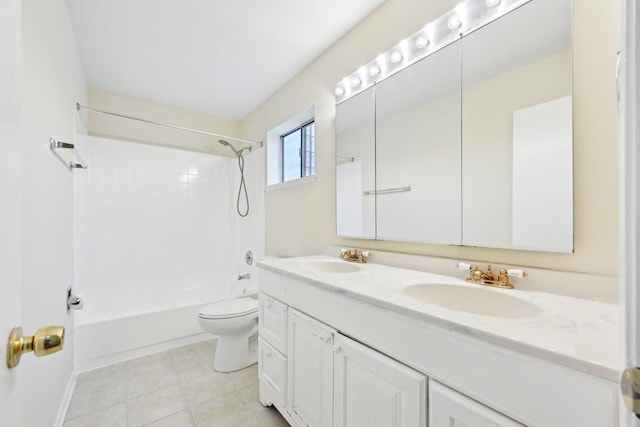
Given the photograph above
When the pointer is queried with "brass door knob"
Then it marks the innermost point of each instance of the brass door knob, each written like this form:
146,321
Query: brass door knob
630,389
47,340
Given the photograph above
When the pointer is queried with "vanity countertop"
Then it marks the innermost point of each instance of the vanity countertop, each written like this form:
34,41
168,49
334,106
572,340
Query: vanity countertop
578,333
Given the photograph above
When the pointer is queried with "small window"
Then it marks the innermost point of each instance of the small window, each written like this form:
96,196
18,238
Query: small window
291,151
299,152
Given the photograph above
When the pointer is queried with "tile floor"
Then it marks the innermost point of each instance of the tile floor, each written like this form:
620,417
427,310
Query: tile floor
177,388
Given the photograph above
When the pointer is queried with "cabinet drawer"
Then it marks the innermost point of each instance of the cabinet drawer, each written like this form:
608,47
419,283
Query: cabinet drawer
448,407
272,371
273,322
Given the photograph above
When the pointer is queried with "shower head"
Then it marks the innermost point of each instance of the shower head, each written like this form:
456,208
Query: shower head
226,144
236,152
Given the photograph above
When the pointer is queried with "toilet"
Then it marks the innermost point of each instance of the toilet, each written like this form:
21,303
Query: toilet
235,322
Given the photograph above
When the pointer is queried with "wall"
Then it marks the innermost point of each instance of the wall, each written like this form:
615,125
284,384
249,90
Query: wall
301,220
52,81
114,127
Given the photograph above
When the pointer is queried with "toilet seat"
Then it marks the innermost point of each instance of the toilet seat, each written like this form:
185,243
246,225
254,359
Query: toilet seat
235,307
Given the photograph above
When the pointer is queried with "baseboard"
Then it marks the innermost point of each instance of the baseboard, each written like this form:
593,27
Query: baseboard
66,400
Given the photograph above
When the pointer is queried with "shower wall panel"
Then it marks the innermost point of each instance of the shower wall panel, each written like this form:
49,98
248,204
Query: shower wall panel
151,220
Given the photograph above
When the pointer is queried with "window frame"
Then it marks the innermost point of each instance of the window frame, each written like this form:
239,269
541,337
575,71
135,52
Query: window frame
302,150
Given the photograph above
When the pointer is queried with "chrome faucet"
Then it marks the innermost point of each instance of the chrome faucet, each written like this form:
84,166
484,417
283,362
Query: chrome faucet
246,276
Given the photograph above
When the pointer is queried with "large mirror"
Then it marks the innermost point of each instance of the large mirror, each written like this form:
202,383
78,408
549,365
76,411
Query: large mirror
471,145
517,130
418,151
355,166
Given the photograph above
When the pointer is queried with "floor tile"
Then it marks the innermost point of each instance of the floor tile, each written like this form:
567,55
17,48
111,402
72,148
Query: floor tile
88,398
228,410
176,388
150,381
207,387
247,377
106,375
114,416
270,417
151,407
180,419
148,363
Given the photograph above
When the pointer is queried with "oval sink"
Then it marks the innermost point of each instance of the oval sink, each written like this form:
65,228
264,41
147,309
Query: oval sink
485,302
331,266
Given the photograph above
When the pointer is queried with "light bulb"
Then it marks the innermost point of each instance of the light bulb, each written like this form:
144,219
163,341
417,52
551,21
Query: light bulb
492,3
374,70
422,42
454,22
339,91
355,81
396,57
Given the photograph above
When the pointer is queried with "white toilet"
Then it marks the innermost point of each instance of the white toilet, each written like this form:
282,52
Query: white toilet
235,322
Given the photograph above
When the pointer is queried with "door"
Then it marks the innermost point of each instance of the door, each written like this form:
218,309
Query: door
371,389
629,103
309,370
449,408
10,226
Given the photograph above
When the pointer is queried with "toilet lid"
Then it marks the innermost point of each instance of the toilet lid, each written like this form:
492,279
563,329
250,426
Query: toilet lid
234,307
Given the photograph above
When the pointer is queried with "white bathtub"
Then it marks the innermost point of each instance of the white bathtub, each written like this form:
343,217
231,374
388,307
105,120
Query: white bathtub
114,331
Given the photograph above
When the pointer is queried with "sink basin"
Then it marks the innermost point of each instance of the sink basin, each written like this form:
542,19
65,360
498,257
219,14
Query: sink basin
485,302
337,267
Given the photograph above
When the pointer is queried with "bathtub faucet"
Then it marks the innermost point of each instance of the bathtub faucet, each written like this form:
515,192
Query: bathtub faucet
244,276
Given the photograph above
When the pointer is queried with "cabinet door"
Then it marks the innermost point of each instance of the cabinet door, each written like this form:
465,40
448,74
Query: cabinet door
272,322
371,389
448,408
309,370
272,370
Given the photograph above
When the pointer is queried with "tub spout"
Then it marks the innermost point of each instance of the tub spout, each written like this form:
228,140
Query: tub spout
246,276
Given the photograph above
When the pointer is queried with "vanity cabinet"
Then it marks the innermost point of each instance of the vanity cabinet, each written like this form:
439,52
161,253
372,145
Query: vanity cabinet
353,360
332,380
450,408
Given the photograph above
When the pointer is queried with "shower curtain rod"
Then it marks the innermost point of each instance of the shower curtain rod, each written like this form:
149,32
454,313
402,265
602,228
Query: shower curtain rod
109,113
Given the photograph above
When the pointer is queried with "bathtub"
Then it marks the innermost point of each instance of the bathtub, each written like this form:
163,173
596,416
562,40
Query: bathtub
113,331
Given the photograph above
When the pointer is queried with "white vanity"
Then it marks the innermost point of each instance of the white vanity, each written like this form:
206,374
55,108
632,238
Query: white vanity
344,344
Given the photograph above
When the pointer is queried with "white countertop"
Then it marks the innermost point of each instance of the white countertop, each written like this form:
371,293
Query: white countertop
578,333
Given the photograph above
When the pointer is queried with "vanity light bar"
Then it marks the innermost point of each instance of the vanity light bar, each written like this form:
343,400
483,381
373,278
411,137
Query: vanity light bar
465,18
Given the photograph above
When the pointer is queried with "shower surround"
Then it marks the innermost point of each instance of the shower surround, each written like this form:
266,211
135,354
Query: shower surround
156,236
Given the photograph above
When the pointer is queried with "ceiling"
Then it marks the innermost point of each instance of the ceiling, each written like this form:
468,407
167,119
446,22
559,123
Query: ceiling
221,57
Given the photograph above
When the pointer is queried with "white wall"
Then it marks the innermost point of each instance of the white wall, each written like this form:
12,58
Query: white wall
52,81
154,221
301,220
114,127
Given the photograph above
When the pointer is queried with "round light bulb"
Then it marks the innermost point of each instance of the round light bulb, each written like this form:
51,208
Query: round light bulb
422,42
355,81
454,22
374,70
396,57
492,3
339,91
